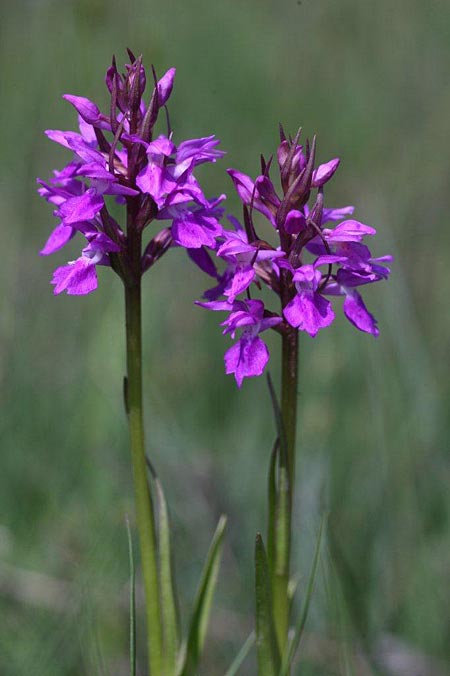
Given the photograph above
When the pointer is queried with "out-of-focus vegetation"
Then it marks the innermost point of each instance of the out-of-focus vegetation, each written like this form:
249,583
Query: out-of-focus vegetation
371,79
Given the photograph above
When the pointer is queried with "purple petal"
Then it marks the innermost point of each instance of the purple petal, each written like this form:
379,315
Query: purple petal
161,146
309,312
247,358
194,230
196,151
349,231
324,172
77,278
59,237
87,109
215,305
241,280
87,131
63,137
307,276
96,170
85,151
269,322
81,208
357,313
150,180
336,214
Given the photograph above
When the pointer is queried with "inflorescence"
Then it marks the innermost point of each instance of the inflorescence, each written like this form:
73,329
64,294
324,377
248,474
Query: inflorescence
117,155
307,264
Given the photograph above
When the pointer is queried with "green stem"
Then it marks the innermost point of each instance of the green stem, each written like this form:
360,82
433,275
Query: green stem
289,382
143,499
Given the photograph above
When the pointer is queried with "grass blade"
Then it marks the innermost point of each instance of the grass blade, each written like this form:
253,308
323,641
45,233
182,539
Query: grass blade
281,432
168,597
266,644
132,603
202,606
242,654
293,647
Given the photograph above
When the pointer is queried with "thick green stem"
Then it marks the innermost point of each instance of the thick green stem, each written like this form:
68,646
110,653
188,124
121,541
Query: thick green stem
144,505
289,381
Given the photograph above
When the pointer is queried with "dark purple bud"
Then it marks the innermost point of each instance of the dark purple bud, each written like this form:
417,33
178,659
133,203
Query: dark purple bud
134,84
248,224
286,162
147,211
299,191
317,210
156,248
165,86
131,55
101,140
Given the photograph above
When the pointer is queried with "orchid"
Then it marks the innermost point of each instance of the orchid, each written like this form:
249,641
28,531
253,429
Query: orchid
118,160
118,156
310,263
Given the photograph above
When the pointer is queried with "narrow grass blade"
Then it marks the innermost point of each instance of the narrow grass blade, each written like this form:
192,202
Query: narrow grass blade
293,647
168,596
202,606
242,654
132,603
272,504
266,643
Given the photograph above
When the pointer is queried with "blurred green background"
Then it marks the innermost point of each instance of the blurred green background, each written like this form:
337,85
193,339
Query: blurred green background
371,79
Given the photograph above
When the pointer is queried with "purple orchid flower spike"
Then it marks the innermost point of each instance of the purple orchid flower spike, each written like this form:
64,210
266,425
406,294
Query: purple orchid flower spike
320,254
117,156
118,159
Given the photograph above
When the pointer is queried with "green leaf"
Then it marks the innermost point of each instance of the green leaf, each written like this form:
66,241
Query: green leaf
242,654
283,525
202,606
293,647
281,431
132,603
266,644
168,596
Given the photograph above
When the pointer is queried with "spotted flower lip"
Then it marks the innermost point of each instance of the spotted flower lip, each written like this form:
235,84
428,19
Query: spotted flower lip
117,156
320,255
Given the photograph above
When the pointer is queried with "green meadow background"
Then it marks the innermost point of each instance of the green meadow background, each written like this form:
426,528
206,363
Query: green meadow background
371,80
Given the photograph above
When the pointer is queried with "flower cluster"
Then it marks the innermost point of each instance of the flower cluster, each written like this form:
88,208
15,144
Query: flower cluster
117,155
308,264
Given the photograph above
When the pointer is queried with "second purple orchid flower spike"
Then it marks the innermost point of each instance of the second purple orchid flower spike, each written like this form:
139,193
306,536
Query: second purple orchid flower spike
308,265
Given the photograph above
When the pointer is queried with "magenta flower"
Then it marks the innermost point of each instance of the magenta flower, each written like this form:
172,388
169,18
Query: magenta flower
310,265
249,355
116,156
308,310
